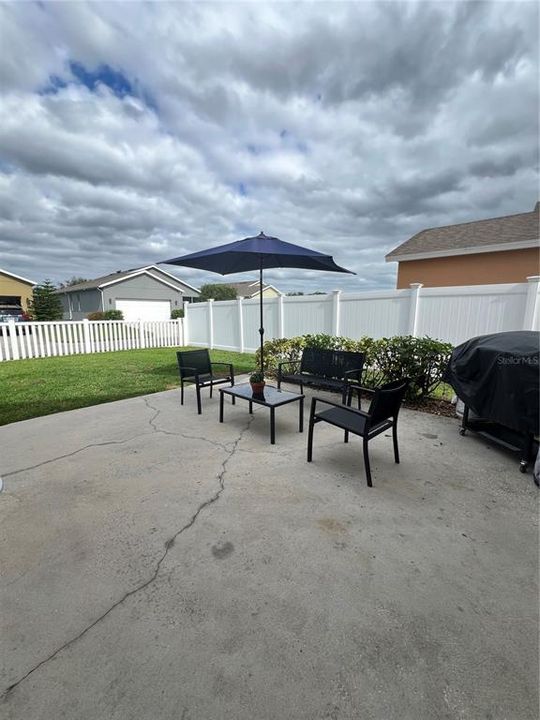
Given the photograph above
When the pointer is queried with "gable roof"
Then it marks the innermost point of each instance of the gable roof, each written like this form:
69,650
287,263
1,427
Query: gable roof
511,232
112,278
247,288
16,277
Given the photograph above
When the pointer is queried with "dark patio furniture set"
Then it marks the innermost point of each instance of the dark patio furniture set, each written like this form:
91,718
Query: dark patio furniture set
335,370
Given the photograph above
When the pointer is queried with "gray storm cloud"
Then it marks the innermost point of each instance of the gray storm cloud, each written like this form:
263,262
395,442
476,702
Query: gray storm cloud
134,132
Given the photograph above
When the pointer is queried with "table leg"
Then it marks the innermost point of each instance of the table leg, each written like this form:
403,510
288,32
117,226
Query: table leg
250,408
272,426
301,415
220,406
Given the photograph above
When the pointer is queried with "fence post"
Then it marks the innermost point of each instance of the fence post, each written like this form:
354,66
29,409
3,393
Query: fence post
281,317
413,308
240,323
12,330
86,335
211,323
180,323
335,311
142,343
186,323
531,302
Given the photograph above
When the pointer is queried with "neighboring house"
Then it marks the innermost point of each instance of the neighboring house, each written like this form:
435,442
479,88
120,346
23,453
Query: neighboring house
15,290
498,250
147,293
250,289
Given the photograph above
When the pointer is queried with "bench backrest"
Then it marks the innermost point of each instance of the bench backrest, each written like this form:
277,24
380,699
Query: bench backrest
330,363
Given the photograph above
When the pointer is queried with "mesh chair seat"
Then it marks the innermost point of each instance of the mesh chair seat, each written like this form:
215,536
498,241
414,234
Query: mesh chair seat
353,422
301,379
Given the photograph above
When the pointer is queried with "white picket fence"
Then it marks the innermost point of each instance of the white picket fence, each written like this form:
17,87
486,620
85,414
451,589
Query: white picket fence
19,341
451,314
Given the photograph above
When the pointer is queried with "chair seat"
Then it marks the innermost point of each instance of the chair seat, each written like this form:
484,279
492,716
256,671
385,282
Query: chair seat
207,379
312,380
351,421
343,419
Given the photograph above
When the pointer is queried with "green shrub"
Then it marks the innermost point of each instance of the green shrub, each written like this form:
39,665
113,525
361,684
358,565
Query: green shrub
216,291
107,315
113,315
177,313
423,360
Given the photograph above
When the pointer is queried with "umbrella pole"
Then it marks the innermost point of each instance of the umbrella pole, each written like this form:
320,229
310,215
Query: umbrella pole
261,329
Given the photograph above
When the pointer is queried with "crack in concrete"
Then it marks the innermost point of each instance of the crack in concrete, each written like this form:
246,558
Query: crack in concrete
167,545
157,413
71,454
105,443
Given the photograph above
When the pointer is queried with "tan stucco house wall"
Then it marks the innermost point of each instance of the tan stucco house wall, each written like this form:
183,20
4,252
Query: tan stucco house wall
11,286
476,269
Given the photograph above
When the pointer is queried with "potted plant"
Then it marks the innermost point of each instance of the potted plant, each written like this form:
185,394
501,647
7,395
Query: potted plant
257,383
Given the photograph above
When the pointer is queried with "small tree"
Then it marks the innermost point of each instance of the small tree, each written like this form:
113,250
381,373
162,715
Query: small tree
217,292
45,304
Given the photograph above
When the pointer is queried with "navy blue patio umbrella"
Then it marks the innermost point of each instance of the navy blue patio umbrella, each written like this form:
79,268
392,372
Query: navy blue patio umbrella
257,253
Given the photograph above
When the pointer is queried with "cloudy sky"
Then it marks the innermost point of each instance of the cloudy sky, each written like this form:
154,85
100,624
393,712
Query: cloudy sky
134,132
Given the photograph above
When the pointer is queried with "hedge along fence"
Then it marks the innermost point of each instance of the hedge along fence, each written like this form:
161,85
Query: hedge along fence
423,360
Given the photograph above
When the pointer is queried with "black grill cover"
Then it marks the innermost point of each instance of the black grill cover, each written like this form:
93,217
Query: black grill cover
497,377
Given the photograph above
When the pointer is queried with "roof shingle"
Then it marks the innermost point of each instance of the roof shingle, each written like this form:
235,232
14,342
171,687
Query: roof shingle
509,229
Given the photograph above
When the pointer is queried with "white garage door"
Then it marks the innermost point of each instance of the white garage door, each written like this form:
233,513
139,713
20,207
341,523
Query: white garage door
145,309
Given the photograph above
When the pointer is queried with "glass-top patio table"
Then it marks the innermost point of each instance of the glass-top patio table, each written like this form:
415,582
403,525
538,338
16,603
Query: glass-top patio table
271,398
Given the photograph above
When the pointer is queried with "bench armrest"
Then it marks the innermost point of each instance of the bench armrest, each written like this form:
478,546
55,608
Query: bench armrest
356,374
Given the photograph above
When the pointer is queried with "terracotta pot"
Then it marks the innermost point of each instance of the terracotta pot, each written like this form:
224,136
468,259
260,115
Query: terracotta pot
257,388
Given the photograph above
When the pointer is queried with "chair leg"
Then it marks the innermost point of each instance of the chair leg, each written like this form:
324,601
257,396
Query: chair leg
310,432
211,388
366,462
394,438
346,436
181,392
199,408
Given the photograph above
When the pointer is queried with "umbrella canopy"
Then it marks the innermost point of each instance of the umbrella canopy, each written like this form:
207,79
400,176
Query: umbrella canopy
257,253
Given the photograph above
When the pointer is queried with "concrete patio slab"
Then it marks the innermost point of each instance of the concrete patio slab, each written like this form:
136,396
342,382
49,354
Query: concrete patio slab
159,564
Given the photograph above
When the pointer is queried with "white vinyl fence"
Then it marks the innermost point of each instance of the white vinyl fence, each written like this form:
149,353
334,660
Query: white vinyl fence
48,339
451,314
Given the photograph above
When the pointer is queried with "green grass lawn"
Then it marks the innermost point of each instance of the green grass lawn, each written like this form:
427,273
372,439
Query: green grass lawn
30,388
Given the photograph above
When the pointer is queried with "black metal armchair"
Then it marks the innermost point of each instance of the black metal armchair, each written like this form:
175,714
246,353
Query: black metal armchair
382,415
195,366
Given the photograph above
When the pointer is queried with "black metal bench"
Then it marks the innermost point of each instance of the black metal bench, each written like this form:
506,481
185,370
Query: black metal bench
337,370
